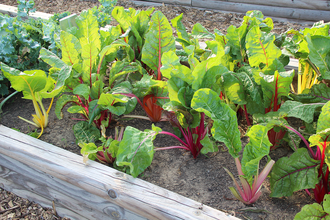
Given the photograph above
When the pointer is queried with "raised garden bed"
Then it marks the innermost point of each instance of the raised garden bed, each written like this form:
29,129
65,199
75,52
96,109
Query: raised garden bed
124,196
44,173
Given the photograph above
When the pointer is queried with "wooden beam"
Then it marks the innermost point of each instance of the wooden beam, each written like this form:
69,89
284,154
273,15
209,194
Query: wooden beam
283,12
45,173
173,2
12,11
323,5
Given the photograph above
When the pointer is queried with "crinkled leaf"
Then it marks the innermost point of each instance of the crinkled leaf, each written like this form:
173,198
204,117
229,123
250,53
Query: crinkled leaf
234,88
71,48
29,81
236,40
261,48
136,150
62,101
298,172
94,110
76,109
173,67
225,127
90,41
51,58
159,39
181,30
85,133
199,31
277,85
255,150
82,90
315,211
208,145
319,53
299,110
108,101
324,118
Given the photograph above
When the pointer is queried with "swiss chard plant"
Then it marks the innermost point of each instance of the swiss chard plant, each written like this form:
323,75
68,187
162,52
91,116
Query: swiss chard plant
257,80
315,210
150,35
107,152
186,39
310,46
35,86
85,53
307,168
225,129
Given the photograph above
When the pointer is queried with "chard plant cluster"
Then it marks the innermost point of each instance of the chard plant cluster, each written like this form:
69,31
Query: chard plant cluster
104,73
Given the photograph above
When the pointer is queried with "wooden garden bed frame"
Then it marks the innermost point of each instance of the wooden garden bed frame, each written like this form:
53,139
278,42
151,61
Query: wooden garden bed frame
52,176
304,10
47,174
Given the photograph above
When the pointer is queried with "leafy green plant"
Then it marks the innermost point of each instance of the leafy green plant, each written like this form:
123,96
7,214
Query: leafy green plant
310,47
306,168
35,85
83,67
107,152
225,129
150,35
256,79
315,211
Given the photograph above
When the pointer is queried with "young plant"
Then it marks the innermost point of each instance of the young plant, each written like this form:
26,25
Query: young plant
35,85
106,153
306,168
225,129
136,150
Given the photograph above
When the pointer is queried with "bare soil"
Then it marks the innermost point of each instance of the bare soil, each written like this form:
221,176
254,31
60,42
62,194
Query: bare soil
202,179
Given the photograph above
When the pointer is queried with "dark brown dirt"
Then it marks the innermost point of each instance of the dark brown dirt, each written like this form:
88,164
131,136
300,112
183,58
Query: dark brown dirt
203,179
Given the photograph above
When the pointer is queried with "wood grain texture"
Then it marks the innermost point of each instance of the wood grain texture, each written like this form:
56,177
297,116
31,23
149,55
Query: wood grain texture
273,11
45,172
174,2
306,4
12,11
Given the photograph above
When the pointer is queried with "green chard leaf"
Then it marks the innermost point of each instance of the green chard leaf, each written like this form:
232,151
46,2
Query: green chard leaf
136,150
261,48
255,150
90,42
225,127
298,172
115,103
319,53
71,49
236,38
299,110
159,39
315,211
85,132
62,101
276,86
181,30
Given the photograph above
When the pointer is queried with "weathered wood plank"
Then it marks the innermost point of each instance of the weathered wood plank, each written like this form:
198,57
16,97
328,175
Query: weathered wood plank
41,188
306,4
283,12
174,2
12,11
75,183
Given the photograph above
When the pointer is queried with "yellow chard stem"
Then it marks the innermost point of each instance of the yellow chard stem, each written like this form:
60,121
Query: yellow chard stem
299,77
304,78
30,122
